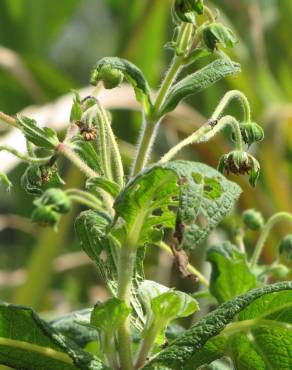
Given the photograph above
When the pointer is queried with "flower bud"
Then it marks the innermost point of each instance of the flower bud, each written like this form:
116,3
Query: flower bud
45,216
185,10
285,247
252,133
56,199
253,220
111,77
240,163
215,34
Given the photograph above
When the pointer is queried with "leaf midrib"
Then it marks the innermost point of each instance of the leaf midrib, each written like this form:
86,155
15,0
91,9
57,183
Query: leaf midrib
45,351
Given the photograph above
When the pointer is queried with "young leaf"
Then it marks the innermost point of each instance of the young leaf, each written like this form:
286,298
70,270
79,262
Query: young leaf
27,341
86,152
41,137
231,275
113,68
180,351
199,81
102,183
110,315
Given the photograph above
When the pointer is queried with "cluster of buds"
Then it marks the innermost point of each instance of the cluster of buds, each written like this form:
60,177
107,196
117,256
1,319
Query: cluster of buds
83,116
37,177
240,163
50,206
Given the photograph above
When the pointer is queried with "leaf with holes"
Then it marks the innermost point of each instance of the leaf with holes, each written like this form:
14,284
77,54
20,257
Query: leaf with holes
188,196
261,311
231,274
26,341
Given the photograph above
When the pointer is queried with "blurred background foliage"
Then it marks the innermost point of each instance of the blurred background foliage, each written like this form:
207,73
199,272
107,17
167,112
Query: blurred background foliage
48,47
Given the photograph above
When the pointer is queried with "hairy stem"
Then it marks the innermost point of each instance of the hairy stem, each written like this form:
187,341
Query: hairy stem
278,217
104,148
205,133
227,98
8,119
191,269
150,124
126,265
109,349
24,157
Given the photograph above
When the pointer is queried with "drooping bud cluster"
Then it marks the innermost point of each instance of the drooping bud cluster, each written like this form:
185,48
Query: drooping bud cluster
50,206
251,133
240,163
215,34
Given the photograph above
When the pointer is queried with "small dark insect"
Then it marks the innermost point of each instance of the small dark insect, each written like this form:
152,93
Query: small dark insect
213,122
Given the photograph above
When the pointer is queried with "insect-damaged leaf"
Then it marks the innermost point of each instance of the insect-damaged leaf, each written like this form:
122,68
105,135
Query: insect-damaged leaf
187,196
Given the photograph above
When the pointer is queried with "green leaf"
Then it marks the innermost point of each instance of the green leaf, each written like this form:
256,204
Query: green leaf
102,183
86,152
132,74
26,341
180,351
92,228
190,196
69,325
266,343
231,275
199,81
110,315
41,137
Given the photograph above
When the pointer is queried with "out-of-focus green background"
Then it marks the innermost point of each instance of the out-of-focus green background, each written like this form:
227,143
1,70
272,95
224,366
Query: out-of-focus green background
48,47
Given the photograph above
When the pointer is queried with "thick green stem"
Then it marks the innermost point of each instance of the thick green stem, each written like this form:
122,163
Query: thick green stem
191,269
150,124
109,349
205,133
278,217
24,157
127,260
148,342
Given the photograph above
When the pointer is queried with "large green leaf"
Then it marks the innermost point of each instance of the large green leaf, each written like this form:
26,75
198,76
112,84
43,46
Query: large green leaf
183,349
231,274
188,196
199,81
27,342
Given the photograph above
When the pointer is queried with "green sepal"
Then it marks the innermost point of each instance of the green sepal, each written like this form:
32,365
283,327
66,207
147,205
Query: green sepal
231,274
76,110
45,216
198,82
215,34
41,137
57,199
118,67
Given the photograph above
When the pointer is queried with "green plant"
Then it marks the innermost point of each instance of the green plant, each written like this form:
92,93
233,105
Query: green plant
169,202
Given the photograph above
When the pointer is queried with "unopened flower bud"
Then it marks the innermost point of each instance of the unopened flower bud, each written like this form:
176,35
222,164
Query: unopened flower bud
186,10
215,34
57,199
111,77
253,219
45,216
285,247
